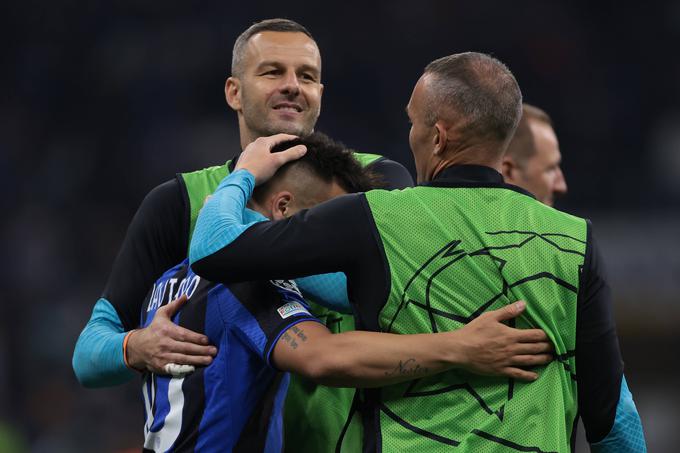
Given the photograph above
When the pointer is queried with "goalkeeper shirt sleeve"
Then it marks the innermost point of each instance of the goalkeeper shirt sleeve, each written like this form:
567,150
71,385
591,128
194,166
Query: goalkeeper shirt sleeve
609,415
98,356
157,238
626,435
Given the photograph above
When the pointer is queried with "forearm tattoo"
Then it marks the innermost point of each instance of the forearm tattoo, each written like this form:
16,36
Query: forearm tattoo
409,367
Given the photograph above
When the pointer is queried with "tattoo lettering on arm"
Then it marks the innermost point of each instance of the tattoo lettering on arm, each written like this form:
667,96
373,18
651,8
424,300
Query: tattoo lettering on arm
297,334
290,340
409,367
300,333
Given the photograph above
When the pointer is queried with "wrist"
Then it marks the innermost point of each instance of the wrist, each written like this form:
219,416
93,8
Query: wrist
454,350
129,356
245,172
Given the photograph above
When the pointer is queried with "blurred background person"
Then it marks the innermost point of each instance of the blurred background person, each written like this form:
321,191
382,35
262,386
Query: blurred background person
533,158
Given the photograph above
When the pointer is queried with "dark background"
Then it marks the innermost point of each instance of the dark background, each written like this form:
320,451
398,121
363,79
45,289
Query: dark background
101,102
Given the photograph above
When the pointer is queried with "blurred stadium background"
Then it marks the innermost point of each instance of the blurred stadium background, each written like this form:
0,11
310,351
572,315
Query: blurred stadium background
103,101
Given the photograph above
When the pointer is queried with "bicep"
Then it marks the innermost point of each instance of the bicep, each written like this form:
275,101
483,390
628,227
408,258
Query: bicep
155,240
298,346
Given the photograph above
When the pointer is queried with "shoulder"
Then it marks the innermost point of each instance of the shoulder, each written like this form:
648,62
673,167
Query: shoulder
550,218
271,302
165,202
394,175
169,191
197,185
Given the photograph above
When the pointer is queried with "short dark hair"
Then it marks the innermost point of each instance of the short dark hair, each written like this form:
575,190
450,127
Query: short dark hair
278,24
328,160
522,146
480,91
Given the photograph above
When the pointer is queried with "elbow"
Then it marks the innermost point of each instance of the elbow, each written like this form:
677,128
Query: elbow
81,370
89,375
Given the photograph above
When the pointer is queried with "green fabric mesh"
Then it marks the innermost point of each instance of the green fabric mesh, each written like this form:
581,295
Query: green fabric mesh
454,253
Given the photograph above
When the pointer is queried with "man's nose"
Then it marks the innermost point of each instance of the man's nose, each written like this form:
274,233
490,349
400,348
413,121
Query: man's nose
290,83
560,183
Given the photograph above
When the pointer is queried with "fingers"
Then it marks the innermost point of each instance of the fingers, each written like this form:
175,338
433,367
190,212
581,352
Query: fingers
185,335
520,374
530,335
542,347
509,311
290,154
183,359
531,360
191,349
171,308
274,140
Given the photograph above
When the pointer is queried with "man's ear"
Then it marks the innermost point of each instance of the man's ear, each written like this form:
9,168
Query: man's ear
439,139
509,169
281,205
232,92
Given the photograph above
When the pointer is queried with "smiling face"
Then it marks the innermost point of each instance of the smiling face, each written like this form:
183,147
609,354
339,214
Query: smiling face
279,88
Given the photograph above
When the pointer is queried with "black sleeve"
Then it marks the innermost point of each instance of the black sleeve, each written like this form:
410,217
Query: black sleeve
330,237
156,239
393,174
598,357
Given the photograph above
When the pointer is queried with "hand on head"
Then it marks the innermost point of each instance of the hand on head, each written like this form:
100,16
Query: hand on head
259,160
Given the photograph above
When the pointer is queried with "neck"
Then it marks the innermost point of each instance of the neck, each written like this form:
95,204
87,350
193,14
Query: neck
474,155
255,206
246,135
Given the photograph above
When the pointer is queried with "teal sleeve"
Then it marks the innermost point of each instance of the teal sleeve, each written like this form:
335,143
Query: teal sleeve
626,435
329,290
98,356
225,216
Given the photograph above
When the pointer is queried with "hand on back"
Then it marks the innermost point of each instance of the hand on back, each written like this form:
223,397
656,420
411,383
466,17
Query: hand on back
490,347
166,348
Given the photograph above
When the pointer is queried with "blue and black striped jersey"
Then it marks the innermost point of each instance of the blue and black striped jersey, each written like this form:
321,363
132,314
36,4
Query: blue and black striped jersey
235,403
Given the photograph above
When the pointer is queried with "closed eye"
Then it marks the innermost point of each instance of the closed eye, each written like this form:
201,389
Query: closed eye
271,72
